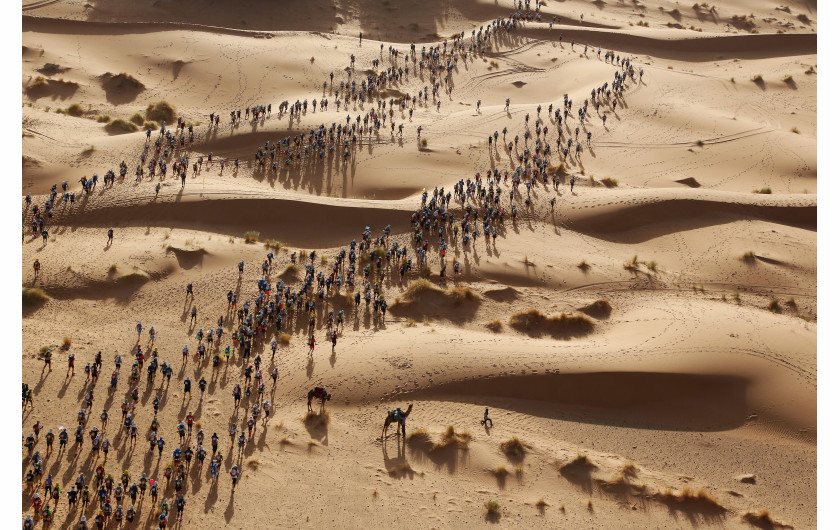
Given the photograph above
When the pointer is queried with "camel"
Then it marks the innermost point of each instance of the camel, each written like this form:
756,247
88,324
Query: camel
392,417
318,392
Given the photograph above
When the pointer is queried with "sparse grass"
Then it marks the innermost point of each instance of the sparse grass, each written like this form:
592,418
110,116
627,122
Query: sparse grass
495,326
748,257
273,243
252,236
737,297
764,191
534,320
450,437
589,505
583,265
150,125
699,498
103,118
775,306
652,266
75,110
420,287
121,126
312,59
541,503
375,493
160,111
791,302
424,143
418,434
633,264
811,70
410,322
599,308
492,507
757,78
581,460
699,143
795,130
66,342
500,472
88,150
284,339
43,350
33,296
292,269
513,448
609,182
113,268
253,463
137,119
762,519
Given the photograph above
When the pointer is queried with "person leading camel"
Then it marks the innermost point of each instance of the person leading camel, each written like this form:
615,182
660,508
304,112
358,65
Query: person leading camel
399,417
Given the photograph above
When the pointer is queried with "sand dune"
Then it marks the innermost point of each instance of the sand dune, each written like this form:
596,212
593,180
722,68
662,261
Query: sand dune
645,342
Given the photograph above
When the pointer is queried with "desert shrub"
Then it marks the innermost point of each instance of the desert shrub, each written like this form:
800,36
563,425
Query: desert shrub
121,126
75,110
513,447
103,118
137,119
609,182
495,326
252,236
534,320
33,296
492,507
160,112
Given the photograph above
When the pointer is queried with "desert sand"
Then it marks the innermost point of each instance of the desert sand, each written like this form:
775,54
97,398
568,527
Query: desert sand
648,336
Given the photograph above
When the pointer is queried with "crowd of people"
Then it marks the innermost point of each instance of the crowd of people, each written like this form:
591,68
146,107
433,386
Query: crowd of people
483,206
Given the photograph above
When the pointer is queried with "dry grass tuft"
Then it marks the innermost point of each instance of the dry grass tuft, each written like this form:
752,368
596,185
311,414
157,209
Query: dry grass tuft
584,266
103,118
534,321
137,119
633,264
33,296
495,326
253,463
541,503
121,126
795,130
273,243
160,112
419,434
513,448
763,519
748,257
696,500
609,182
66,342
775,306
492,507
315,419
284,339
500,472
252,236
598,309
452,438
765,190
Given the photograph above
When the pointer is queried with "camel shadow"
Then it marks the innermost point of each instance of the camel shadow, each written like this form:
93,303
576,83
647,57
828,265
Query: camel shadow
397,467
